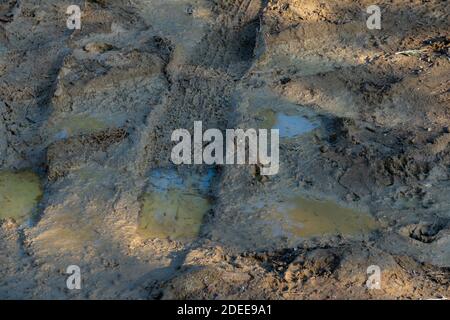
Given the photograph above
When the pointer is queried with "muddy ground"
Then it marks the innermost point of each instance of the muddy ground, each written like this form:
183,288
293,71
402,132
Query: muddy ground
91,112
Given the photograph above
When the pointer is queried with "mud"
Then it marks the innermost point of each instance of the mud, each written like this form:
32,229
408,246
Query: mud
364,116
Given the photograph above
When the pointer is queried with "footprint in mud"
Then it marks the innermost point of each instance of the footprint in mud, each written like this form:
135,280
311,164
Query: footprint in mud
289,125
423,232
307,218
174,206
20,193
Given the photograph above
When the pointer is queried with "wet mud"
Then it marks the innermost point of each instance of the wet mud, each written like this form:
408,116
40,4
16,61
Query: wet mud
86,118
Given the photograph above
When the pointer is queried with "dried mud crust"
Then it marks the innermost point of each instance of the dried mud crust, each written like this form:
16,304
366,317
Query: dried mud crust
140,69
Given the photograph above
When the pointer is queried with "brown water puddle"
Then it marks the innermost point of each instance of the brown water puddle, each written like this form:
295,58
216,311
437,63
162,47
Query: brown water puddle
77,125
173,214
174,207
20,192
307,218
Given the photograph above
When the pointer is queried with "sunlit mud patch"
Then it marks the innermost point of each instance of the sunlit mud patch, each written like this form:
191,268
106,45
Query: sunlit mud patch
20,192
174,206
69,231
290,125
308,218
74,218
77,125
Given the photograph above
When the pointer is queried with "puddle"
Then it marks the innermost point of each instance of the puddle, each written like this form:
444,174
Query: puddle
77,125
175,214
19,194
289,125
307,218
174,206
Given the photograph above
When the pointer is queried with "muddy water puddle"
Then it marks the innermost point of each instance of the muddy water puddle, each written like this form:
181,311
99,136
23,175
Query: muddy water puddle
77,125
289,125
20,193
307,218
174,206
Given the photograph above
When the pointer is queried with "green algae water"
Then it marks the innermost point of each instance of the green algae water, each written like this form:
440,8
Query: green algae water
309,218
20,192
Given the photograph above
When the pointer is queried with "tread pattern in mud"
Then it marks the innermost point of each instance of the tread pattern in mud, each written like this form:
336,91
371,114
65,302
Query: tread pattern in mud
381,144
